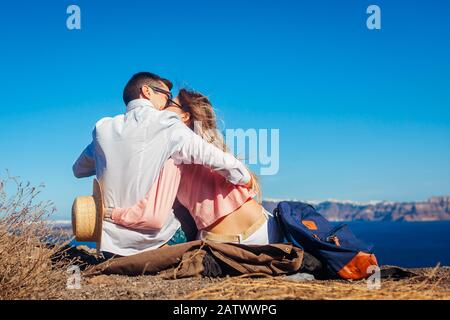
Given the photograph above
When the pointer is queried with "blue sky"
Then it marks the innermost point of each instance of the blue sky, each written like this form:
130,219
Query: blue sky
363,115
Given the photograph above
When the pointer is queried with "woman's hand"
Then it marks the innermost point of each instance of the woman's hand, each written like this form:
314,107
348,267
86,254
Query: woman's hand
249,185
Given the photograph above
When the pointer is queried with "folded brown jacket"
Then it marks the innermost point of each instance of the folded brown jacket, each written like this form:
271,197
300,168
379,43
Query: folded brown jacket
209,258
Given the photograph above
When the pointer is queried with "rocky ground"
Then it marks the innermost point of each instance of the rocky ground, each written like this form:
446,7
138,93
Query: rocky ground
428,284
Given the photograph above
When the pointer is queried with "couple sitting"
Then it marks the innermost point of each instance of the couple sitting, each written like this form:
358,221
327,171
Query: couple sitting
163,154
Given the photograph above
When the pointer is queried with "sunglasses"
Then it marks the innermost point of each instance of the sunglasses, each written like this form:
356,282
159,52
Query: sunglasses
171,103
167,93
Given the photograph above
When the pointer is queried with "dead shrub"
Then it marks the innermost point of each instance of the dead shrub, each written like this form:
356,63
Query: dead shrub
26,249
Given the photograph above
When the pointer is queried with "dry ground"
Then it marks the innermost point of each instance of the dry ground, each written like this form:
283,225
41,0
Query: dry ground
430,284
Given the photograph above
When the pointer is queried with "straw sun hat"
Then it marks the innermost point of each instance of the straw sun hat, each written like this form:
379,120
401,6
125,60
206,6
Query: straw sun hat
87,216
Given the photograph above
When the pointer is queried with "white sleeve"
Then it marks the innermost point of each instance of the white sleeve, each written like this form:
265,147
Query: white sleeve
189,148
85,164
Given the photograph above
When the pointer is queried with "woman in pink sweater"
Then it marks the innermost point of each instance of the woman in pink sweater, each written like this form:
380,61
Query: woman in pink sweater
222,211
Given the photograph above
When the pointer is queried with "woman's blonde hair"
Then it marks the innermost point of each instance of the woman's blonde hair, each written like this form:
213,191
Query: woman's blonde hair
203,121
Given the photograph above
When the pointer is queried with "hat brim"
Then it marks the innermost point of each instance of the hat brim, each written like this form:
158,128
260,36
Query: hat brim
99,206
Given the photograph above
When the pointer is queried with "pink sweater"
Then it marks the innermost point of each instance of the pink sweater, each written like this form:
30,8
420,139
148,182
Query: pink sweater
205,193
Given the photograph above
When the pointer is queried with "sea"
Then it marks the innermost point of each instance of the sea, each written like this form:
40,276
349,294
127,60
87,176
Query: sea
405,244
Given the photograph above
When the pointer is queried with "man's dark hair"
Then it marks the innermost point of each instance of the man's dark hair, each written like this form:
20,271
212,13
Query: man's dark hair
133,88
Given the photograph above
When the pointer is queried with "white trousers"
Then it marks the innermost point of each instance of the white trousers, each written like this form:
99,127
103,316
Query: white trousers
268,233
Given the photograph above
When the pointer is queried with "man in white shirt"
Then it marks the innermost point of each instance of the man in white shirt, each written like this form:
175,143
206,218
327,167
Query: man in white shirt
128,151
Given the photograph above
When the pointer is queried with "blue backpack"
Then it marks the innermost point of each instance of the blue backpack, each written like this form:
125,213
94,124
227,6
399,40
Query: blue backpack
335,246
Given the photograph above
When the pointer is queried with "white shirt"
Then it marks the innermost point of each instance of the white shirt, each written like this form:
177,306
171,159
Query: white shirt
127,153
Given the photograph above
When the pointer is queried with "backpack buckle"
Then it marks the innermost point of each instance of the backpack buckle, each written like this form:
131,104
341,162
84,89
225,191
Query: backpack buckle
335,240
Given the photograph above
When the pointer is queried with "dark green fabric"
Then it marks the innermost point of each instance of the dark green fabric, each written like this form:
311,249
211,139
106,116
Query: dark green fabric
178,237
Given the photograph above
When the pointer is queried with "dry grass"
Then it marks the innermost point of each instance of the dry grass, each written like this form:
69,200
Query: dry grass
431,286
26,271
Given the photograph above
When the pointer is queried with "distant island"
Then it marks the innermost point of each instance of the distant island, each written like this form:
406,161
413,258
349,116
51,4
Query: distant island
434,209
